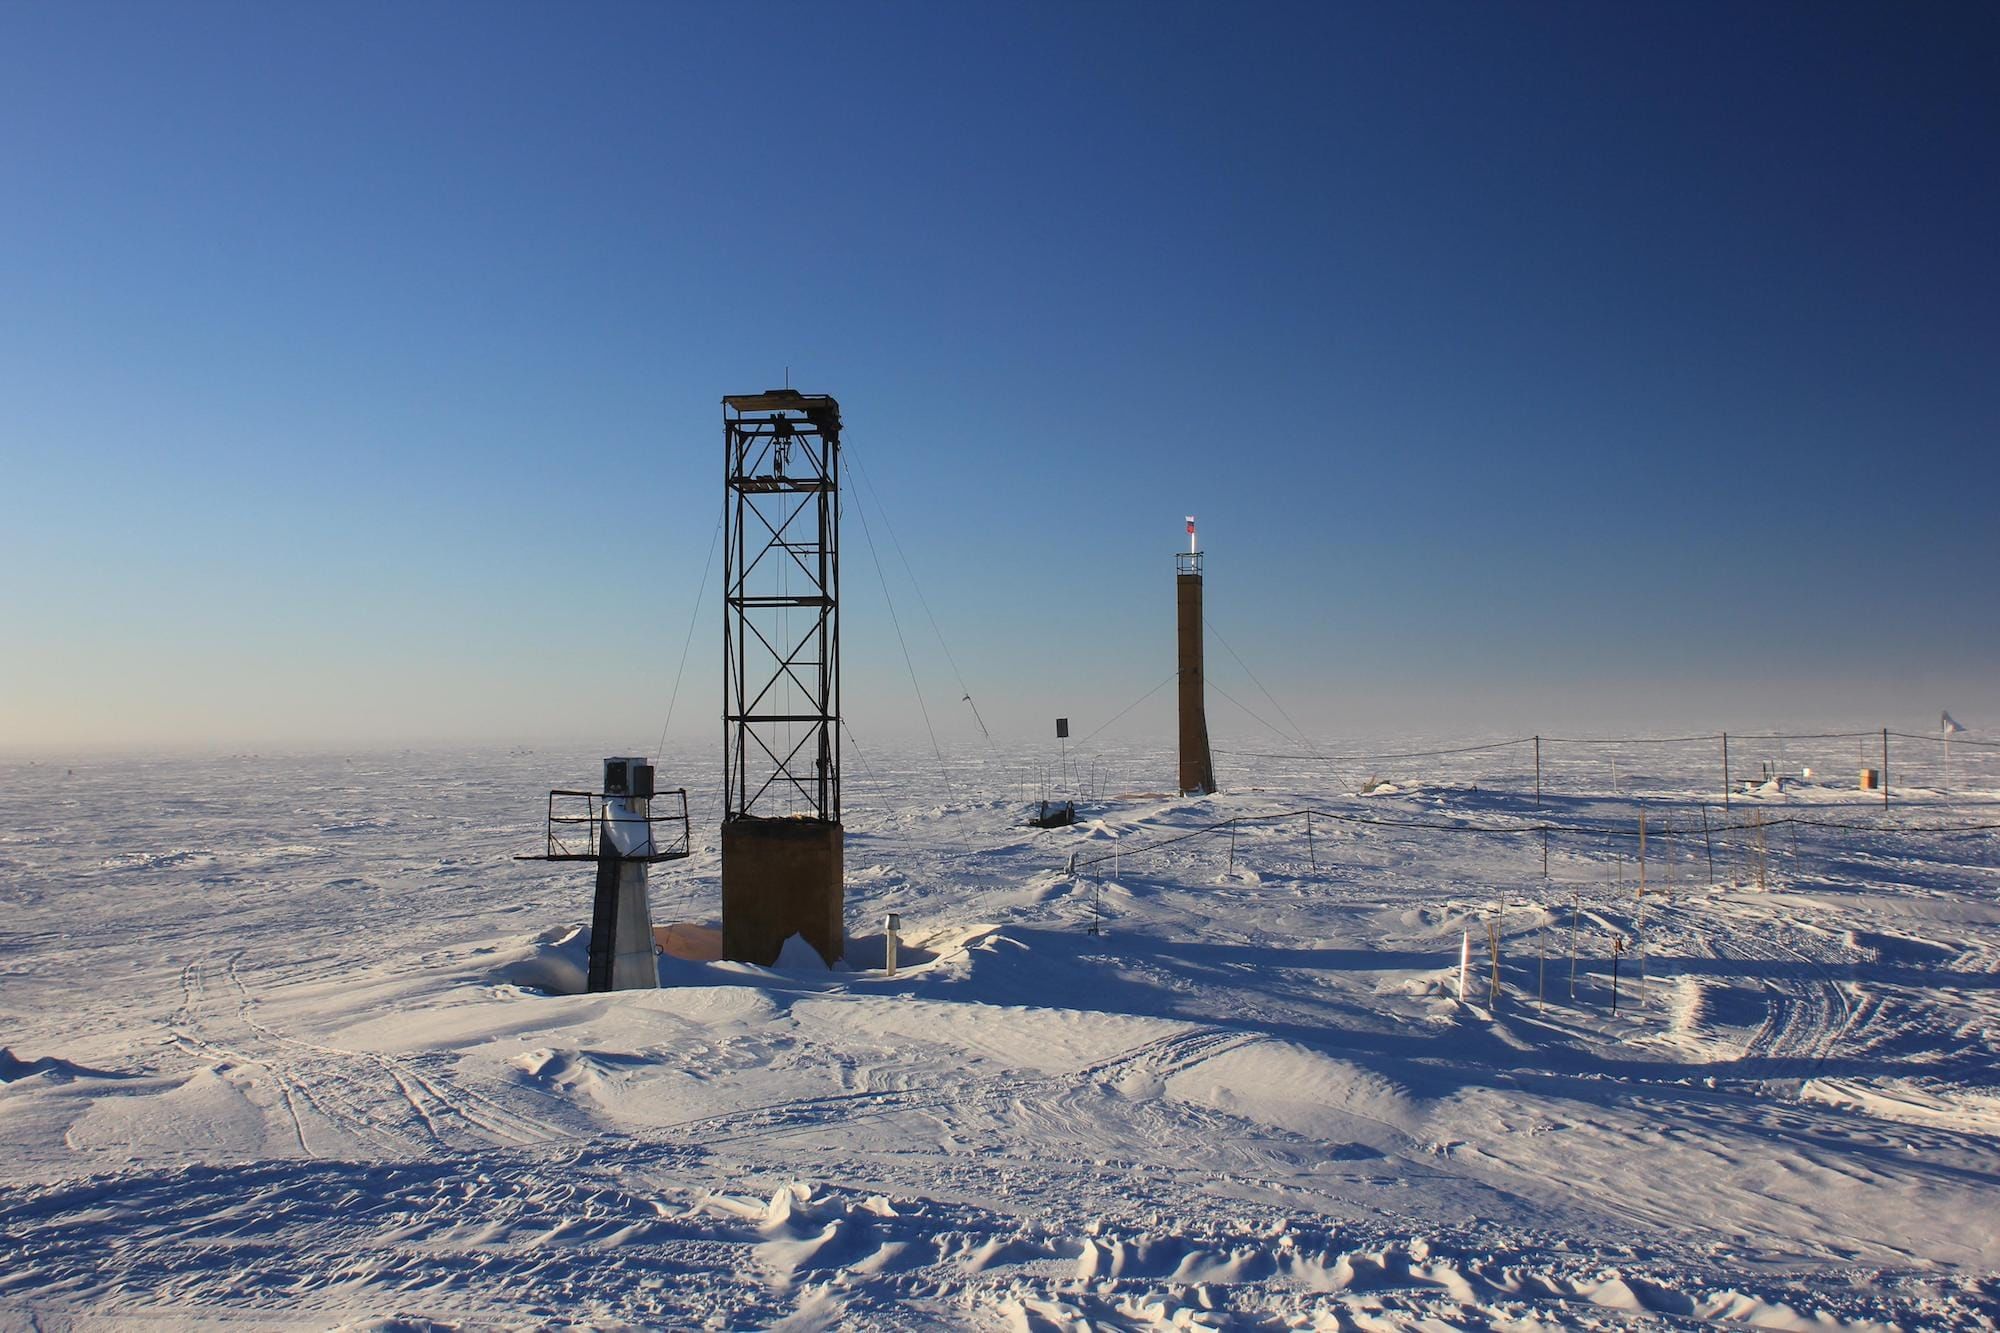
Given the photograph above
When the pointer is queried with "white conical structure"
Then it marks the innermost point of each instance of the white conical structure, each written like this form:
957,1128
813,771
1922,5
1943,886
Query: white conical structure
1949,725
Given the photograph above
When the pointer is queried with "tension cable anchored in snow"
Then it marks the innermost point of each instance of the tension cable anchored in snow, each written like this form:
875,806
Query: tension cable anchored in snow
1248,711
1172,676
1298,732
888,525
694,615
896,621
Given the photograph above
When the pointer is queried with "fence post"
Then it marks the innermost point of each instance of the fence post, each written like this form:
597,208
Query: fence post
1642,855
1639,950
1725,770
1493,947
1708,845
1575,911
1541,964
1760,850
1311,850
1538,772
1232,845
1885,768
1617,949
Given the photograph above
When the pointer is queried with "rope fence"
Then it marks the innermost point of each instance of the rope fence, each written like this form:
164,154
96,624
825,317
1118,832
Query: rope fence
1876,763
1663,832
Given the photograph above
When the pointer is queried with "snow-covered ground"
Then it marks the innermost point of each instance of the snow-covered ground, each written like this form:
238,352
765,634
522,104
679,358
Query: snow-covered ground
286,1043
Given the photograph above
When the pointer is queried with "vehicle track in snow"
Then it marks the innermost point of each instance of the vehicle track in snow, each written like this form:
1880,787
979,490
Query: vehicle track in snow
502,1124
1158,1059
1806,1016
366,1096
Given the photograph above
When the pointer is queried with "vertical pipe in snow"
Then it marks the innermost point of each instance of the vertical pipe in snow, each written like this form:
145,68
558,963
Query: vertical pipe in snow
1464,962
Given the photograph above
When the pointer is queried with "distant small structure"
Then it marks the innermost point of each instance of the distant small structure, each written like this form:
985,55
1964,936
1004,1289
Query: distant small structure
1054,814
1950,725
1197,764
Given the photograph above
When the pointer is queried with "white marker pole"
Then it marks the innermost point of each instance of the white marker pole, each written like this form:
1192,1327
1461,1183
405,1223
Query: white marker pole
1464,962
890,927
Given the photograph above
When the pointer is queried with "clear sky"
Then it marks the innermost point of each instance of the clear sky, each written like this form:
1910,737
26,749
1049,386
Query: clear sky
1527,365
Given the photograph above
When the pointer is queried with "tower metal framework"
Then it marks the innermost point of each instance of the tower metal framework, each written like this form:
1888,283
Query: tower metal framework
781,591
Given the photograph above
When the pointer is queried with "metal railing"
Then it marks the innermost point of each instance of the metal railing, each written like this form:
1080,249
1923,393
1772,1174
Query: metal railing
575,827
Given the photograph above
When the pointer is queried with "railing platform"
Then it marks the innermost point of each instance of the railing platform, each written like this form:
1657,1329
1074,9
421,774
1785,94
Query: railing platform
574,830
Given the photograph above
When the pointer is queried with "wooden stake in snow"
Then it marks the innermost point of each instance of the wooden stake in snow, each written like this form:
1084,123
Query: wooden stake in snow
1542,962
1617,949
1493,947
1670,834
1758,821
1642,853
1725,770
1575,912
1464,962
1639,949
1639,931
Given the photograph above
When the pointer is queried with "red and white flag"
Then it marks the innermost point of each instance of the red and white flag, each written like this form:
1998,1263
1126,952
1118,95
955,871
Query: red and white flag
1190,525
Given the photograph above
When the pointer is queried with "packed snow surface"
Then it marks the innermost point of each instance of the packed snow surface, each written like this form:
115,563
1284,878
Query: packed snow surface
295,1041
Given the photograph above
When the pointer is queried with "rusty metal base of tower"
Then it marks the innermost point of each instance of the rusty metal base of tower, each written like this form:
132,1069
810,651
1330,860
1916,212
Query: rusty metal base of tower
780,878
1197,764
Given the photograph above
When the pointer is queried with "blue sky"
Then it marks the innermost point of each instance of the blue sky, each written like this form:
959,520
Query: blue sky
1527,365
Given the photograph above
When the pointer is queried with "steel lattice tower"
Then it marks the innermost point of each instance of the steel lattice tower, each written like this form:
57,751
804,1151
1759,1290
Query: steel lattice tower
781,589
782,840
